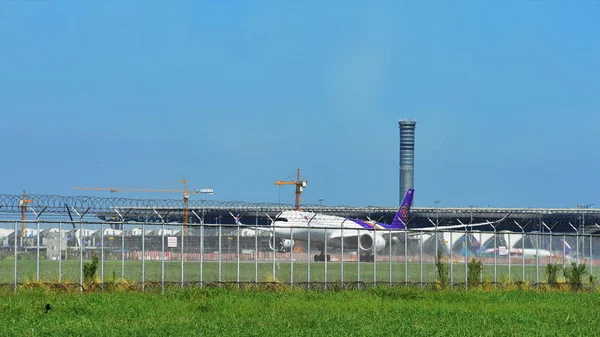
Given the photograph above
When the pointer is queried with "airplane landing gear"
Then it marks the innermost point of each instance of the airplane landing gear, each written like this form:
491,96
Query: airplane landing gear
367,258
321,257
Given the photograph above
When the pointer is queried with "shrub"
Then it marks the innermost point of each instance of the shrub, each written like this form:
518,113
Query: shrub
443,274
474,269
552,273
592,279
575,273
89,269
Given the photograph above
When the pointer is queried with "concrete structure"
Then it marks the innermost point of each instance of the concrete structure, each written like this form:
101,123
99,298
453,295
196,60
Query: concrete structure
55,242
29,240
4,234
107,232
407,155
167,232
134,231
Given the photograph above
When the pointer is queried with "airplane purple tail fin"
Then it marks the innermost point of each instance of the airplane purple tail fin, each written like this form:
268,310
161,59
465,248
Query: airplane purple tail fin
475,245
566,247
401,217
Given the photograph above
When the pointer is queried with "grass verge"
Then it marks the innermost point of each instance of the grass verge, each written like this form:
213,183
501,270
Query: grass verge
233,312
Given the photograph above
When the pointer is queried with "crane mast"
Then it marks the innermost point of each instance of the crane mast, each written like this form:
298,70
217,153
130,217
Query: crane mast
300,184
23,204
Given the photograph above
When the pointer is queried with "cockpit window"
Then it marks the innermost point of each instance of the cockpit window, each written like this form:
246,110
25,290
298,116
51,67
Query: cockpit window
281,219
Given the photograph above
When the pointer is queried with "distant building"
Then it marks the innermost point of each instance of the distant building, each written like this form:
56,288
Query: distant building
107,232
29,240
159,232
133,232
4,234
55,242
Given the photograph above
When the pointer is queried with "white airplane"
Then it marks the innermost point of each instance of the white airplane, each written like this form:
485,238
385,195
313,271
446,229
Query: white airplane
532,252
517,251
332,231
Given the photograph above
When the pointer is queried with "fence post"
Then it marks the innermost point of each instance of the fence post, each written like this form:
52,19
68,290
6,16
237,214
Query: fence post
37,263
237,252
81,255
102,253
390,256
292,258
81,215
202,255
523,255
60,252
374,256
564,250
466,242
342,255
480,259
162,243
577,240
309,257
436,251
549,242
495,256
17,235
143,255
591,258
550,237
122,225
421,262
325,257
220,253
451,262
537,258
273,252
162,260
182,237
201,219
508,248
358,257
37,217
406,255
256,250
522,250
122,250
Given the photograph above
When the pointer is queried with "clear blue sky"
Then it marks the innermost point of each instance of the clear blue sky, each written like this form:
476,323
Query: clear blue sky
235,95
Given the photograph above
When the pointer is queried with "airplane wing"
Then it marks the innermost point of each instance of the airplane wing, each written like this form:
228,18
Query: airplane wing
254,227
463,225
350,238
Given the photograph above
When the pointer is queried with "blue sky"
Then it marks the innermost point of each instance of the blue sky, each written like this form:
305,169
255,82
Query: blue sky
235,95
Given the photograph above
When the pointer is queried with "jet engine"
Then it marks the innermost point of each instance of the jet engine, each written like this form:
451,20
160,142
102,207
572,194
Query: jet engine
371,242
280,244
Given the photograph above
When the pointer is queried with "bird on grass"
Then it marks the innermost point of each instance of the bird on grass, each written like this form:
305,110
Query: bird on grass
48,307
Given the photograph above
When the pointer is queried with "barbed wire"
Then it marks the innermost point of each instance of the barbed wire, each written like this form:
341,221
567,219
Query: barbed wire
67,208
58,203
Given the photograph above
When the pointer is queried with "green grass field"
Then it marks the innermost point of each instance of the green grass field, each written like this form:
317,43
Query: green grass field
373,312
26,271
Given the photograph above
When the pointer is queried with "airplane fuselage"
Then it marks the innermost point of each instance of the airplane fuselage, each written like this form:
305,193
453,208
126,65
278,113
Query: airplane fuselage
329,231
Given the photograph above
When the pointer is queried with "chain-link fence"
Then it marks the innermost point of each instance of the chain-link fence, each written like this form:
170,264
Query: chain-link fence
162,254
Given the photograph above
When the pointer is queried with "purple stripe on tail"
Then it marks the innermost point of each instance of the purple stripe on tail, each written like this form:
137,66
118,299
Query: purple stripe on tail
401,217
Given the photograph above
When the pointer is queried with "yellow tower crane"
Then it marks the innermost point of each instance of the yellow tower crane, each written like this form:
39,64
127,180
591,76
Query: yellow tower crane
185,191
300,184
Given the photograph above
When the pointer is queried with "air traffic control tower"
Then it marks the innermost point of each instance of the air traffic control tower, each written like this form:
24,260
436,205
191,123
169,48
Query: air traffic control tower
407,155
